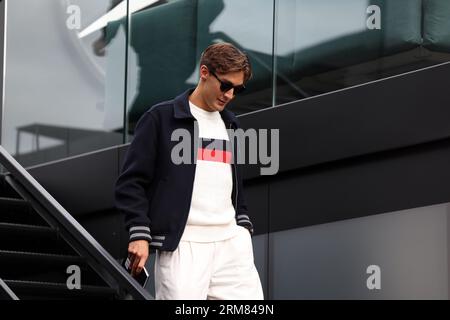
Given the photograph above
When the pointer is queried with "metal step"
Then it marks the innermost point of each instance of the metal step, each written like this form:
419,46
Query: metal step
37,290
33,266
24,237
15,210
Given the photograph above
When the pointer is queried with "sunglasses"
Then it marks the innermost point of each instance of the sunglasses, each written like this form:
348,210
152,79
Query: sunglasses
227,86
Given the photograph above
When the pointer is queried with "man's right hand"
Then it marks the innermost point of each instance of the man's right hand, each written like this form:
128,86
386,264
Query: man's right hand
138,254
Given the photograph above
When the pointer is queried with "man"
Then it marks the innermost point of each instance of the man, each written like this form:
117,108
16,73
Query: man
193,213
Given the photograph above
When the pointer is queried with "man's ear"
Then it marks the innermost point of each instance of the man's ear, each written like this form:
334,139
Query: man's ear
204,72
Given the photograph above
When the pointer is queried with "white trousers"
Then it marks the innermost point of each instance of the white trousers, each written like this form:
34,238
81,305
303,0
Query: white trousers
221,270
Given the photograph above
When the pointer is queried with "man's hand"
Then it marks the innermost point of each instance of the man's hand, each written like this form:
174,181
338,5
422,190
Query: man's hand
138,253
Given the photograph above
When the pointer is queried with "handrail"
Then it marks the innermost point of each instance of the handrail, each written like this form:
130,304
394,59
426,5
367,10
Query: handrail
6,293
76,235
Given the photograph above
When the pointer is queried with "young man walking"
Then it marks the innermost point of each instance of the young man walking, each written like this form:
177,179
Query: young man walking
192,211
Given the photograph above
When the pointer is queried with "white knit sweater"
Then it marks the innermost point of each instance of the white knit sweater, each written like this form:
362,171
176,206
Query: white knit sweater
211,215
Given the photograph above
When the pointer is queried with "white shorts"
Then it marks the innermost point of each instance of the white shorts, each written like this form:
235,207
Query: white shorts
221,270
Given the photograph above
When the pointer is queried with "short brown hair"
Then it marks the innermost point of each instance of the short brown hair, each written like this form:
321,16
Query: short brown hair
224,57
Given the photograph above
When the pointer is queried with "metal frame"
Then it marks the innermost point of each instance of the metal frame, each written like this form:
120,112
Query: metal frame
3,24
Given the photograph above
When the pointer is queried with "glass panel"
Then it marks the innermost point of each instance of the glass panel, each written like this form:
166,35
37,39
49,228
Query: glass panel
248,25
167,38
326,45
64,91
2,31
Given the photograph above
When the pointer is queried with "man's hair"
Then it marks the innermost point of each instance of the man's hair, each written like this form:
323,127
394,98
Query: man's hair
224,57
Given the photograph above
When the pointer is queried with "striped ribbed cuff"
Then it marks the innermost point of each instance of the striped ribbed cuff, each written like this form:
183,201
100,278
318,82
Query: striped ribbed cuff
244,220
140,233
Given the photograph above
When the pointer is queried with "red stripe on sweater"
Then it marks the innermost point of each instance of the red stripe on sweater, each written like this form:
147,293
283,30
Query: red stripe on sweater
214,155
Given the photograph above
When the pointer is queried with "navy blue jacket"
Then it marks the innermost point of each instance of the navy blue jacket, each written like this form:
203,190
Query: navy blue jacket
155,194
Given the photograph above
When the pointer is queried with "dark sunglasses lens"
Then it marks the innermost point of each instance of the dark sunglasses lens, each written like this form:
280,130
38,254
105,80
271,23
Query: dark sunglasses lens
239,89
225,86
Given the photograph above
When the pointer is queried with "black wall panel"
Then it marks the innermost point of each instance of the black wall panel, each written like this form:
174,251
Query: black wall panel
401,111
81,184
390,181
257,196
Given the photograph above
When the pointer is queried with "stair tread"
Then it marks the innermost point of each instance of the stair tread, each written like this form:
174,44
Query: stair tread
32,238
25,227
46,267
11,198
18,210
60,289
14,202
53,284
53,256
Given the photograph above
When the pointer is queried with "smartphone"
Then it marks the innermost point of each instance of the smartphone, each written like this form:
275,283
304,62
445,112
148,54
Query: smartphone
142,277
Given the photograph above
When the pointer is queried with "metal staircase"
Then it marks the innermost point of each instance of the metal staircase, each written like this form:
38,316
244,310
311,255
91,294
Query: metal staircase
40,244
34,258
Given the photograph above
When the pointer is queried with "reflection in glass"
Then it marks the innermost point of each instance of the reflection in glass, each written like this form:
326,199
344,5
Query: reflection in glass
59,100
168,37
88,68
323,46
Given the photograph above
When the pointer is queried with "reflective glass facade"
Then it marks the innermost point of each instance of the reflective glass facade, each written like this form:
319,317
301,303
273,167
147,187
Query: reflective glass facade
79,74
58,101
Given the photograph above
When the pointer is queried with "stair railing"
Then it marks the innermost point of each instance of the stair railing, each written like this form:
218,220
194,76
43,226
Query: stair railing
74,233
6,293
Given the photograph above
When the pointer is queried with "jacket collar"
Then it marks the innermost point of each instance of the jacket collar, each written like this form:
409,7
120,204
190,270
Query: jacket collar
183,111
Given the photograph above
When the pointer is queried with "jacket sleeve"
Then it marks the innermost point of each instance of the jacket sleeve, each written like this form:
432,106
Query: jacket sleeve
135,178
242,216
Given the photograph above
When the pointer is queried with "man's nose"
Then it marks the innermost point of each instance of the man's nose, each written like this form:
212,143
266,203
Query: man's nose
229,94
